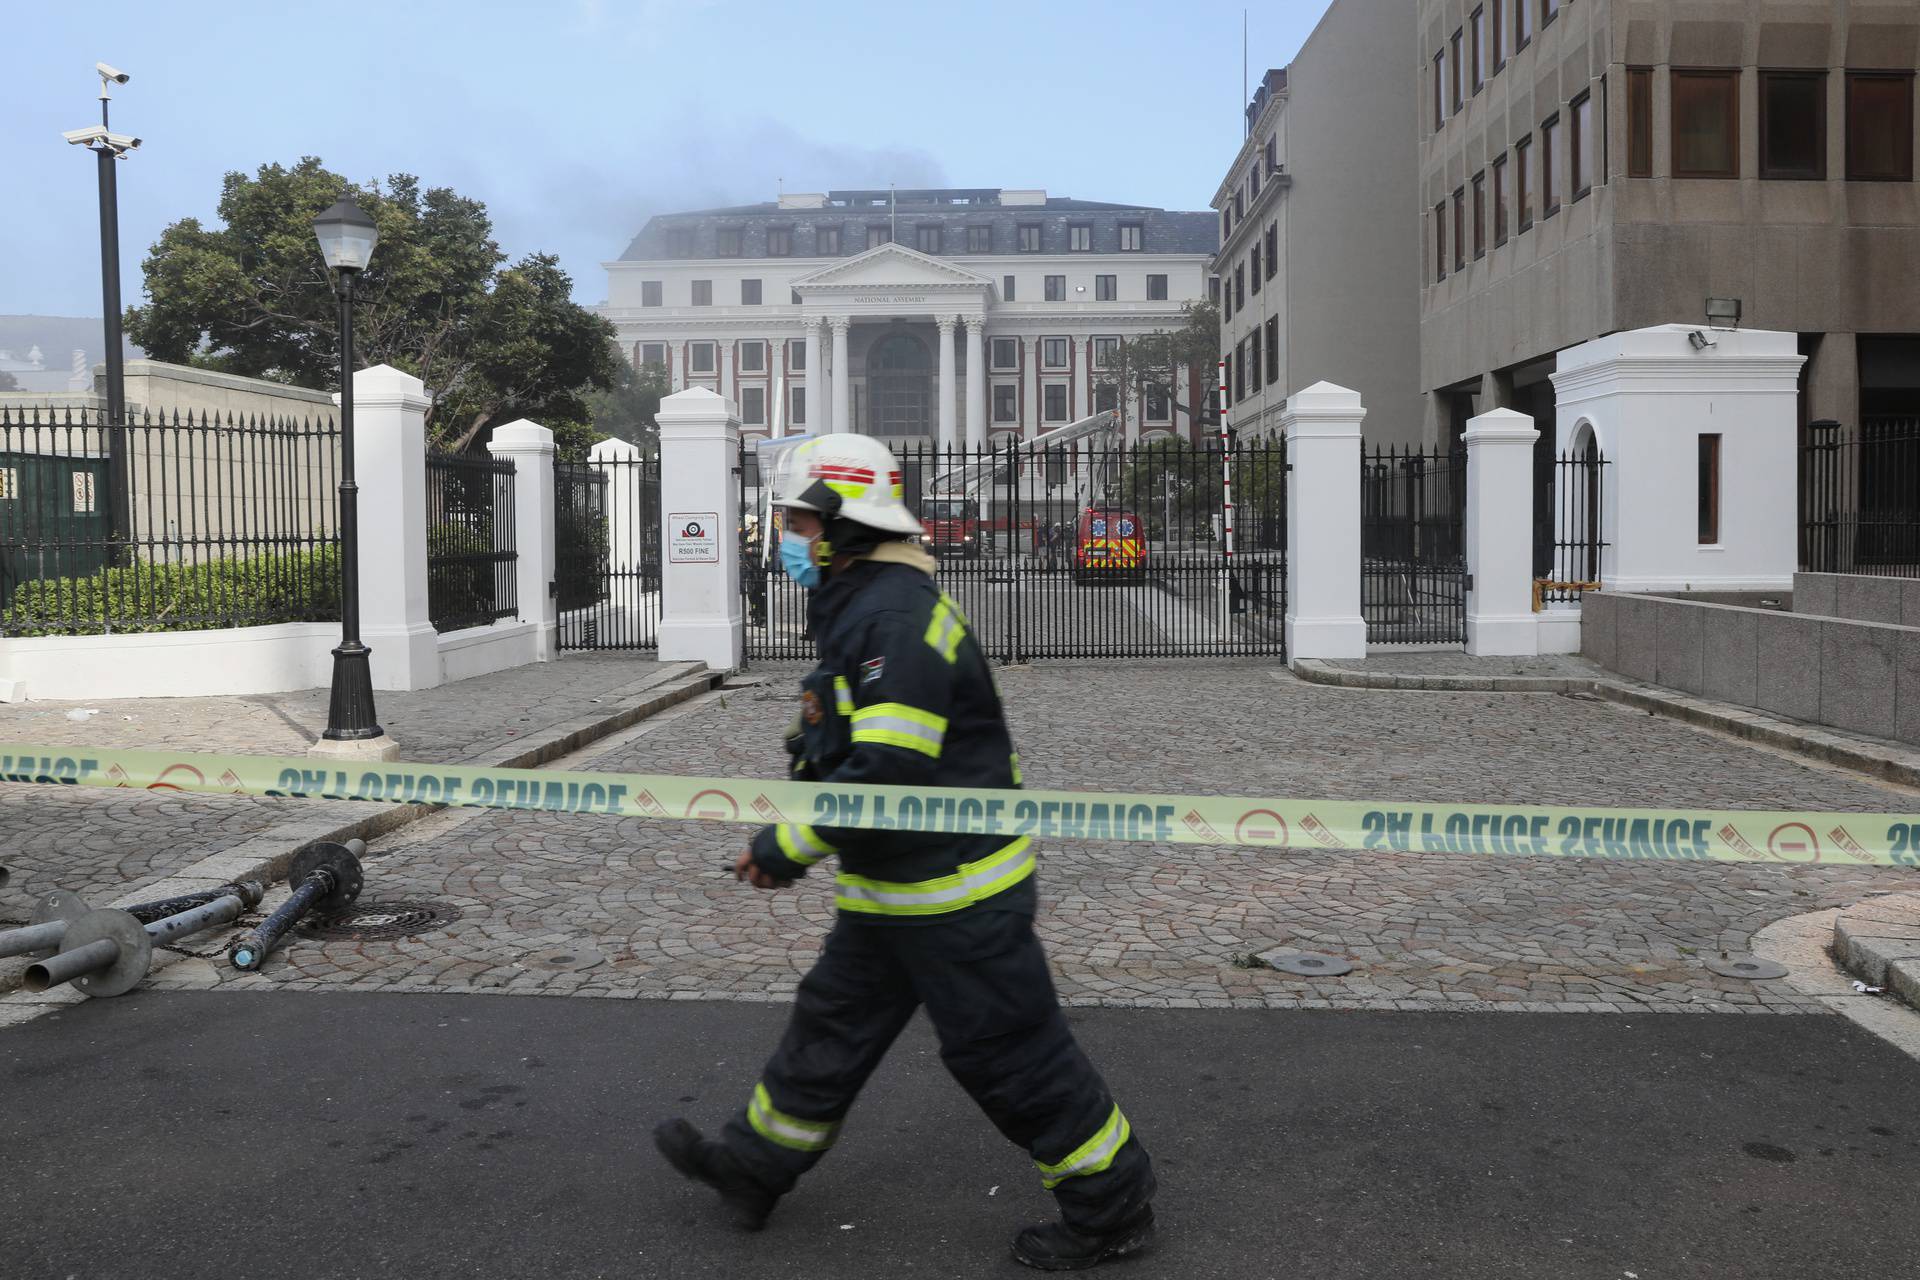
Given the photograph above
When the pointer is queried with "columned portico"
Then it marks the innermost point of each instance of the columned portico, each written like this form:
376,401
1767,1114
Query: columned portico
949,410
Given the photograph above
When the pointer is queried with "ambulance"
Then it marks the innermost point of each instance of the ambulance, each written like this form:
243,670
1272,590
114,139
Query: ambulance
1111,542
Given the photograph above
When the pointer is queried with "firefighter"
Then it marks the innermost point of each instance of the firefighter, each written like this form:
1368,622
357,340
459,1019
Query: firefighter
902,695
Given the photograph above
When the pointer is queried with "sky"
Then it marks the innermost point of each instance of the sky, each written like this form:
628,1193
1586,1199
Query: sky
575,120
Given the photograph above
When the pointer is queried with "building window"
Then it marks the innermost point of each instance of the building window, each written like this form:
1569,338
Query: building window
1581,157
1254,359
1523,181
1006,402
1006,353
1709,490
1549,180
1029,237
1226,224
1549,10
1639,122
1499,201
1156,288
728,242
653,353
1273,155
1080,237
1213,290
1240,370
1255,265
1793,124
749,293
877,236
1459,228
753,406
1439,90
826,241
779,242
797,355
1106,288
1273,349
1455,72
680,242
1158,405
1226,305
1132,237
651,293
703,293
1522,24
1440,241
1879,126
753,356
927,239
1273,248
1053,353
1006,288
980,239
1496,35
1056,289
1056,401
1103,349
1477,30
1706,124
1240,285
1253,184
1479,216
700,357
799,412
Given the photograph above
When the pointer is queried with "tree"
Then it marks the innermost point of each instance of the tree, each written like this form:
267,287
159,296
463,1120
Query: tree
625,410
492,342
1157,362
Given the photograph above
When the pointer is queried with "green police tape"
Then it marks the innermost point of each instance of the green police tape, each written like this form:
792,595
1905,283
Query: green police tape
1862,839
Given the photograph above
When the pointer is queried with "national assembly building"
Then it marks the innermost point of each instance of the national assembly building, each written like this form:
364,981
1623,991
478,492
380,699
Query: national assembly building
940,317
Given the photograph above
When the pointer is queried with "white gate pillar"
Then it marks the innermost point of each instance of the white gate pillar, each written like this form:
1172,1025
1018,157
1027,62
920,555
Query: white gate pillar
1322,425
1500,617
700,616
390,465
530,448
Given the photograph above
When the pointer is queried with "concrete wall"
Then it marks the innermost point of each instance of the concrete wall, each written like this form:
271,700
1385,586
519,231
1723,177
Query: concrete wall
1861,597
1858,677
1351,262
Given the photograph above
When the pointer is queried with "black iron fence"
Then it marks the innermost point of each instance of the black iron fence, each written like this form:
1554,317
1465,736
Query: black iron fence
1579,526
177,522
1094,549
1860,498
1413,566
607,553
470,544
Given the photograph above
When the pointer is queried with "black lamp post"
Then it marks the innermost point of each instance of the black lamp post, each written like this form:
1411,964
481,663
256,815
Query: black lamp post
347,237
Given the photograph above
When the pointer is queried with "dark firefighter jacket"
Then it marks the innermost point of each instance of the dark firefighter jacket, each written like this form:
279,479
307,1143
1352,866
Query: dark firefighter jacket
902,696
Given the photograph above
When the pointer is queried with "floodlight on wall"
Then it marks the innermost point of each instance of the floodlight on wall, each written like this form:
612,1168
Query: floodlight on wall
1699,341
1723,313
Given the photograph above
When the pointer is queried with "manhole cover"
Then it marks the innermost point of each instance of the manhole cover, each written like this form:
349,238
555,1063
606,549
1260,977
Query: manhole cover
1746,967
369,921
1309,964
566,959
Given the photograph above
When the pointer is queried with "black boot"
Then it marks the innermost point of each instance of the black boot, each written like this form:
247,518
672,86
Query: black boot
705,1160
1058,1247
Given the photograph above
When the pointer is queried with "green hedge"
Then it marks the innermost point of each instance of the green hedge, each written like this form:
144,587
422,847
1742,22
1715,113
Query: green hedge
300,586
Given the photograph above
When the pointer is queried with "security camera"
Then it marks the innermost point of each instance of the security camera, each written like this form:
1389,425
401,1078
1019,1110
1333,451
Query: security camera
114,74
87,136
1700,341
122,142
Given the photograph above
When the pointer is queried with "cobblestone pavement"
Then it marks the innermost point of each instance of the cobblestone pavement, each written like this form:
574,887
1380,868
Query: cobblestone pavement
101,843
1455,662
649,909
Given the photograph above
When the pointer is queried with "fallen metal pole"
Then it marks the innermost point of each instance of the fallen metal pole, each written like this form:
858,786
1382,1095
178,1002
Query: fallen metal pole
109,952
325,877
56,912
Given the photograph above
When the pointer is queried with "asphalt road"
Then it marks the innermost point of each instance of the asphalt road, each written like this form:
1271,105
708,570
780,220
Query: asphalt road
268,1135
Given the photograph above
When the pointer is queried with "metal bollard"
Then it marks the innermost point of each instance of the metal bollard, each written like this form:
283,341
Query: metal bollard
55,911
109,952
325,877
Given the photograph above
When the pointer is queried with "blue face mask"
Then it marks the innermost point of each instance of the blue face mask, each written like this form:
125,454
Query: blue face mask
796,557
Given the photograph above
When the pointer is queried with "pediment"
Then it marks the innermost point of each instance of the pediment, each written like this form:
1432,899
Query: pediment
892,266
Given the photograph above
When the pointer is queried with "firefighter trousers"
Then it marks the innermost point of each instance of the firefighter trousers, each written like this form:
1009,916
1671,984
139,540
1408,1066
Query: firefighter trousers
984,981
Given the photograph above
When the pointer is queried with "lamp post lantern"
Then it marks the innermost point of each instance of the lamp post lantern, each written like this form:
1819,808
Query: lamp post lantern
347,238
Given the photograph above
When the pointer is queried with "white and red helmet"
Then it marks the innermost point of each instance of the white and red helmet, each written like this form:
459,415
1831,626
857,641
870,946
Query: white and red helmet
846,476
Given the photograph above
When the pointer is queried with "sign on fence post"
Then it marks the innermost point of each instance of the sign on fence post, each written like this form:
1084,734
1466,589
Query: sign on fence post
700,618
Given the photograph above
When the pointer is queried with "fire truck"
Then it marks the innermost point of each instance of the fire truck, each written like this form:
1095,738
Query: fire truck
952,525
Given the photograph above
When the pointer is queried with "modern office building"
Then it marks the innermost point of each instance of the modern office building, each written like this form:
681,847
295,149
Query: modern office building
1317,264
941,316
